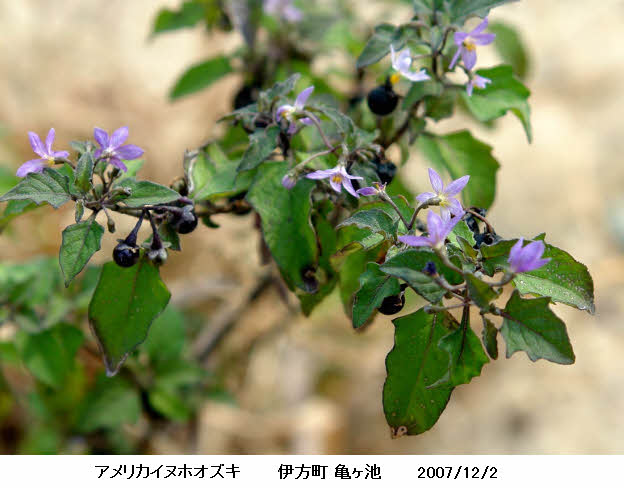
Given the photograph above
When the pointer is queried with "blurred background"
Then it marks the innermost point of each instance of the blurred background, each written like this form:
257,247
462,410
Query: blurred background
313,385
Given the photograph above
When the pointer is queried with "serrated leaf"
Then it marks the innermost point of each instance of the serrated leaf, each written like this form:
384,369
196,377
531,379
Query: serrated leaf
148,193
466,355
505,93
489,334
462,230
50,186
460,154
200,76
80,242
84,171
375,219
261,144
285,216
124,305
374,287
413,364
530,326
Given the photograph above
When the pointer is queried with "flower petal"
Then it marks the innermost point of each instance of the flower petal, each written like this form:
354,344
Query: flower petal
469,87
454,187
336,185
279,114
129,152
367,191
415,241
349,187
49,141
393,58
423,197
416,75
101,137
480,28
32,166
436,181
460,37
36,144
302,98
292,14
321,174
534,251
469,58
483,39
455,57
60,154
455,207
292,128
118,163
119,137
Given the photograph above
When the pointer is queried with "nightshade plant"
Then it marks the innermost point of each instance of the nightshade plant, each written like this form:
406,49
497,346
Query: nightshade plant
318,167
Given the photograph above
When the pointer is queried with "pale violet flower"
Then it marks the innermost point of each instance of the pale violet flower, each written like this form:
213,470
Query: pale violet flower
478,81
284,9
112,148
402,62
288,112
467,43
46,155
370,191
528,258
448,204
289,181
437,227
338,178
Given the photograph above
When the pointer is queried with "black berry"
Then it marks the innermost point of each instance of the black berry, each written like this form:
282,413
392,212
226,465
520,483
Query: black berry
392,304
185,221
382,100
430,269
472,222
247,95
386,172
124,255
486,238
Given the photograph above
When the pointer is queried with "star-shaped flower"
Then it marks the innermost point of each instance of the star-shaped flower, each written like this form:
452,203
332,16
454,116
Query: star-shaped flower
338,178
528,258
448,204
370,191
402,62
289,112
467,43
437,227
112,149
478,81
46,155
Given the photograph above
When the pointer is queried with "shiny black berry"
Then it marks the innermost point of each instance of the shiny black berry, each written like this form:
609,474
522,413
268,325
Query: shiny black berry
386,172
247,95
473,222
185,222
392,304
382,100
430,269
486,238
124,255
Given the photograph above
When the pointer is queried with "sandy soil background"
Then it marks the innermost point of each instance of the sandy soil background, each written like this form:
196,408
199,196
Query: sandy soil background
74,65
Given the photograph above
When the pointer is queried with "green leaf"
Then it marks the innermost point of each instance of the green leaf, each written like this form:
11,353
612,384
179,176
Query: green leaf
462,230
461,9
281,88
563,279
14,209
200,76
189,14
261,144
497,98
480,292
50,186
530,326
133,168
461,154
84,172
510,47
489,334
7,179
49,355
466,355
80,242
124,305
375,220
374,287
286,227
408,266
170,404
495,256
413,364
378,46
419,91
440,107
110,404
166,337
148,193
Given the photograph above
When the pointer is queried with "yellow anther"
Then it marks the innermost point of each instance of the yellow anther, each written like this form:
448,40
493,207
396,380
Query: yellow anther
395,78
468,44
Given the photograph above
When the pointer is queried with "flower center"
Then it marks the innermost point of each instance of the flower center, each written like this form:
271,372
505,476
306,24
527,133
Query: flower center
51,160
469,44
337,178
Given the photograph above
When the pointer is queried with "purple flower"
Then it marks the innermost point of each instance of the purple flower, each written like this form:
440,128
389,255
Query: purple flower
288,112
528,258
284,9
402,62
338,177
289,181
438,227
478,81
448,204
369,191
467,43
112,149
46,155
